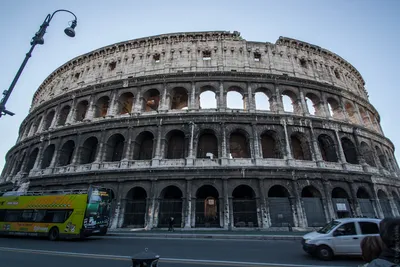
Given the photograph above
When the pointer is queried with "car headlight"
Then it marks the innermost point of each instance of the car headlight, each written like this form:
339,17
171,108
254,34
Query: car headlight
307,241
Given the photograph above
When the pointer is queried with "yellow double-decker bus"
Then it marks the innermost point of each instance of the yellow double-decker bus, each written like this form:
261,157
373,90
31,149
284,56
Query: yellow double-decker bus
56,214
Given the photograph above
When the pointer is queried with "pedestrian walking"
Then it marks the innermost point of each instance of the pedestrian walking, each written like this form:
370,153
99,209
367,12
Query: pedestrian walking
390,235
371,248
171,224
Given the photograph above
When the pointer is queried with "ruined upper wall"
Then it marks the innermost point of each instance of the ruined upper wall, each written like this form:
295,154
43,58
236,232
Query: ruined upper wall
200,51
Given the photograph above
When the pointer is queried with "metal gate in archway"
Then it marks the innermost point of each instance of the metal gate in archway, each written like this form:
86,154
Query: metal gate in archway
135,213
207,212
280,211
314,211
386,209
245,212
367,210
170,208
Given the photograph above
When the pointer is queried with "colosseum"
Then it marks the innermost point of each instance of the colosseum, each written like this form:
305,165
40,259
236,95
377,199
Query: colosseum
152,119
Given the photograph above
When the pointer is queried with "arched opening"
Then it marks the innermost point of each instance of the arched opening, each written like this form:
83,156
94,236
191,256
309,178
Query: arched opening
381,157
62,119
102,106
290,103
31,160
300,146
235,100
340,200
244,207
313,104
170,206
367,153
151,100
385,204
125,102
207,146
280,209
20,160
239,145
364,117
207,207
364,199
351,112
208,99
312,202
349,150
176,145
327,148
115,148
81,110
135,208
36,124
143,149
270,147
334,108
66,153
48,120
47,156
88,150
179,98
262,101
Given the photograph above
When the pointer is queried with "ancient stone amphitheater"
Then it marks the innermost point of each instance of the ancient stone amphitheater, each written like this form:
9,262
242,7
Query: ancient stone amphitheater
152,119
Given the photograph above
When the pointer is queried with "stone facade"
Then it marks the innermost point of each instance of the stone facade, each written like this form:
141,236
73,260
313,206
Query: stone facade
129,116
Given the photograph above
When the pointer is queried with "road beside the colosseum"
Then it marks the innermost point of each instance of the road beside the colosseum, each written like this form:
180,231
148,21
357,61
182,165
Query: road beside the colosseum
115,251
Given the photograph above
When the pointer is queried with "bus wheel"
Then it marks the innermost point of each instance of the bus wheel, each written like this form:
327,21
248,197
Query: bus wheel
53,234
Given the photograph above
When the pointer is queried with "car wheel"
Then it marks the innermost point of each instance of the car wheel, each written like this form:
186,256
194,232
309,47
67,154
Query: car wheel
324,253
54,234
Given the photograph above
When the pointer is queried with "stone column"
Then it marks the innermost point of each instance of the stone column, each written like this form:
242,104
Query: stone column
224,152
188,206
71,115
151,212
100,152
137,108
222,97
301,215
303,103
56,154
330,208
360,157
356,204
342,157
255,142
287,141
75,153
358,115
128,146
192,103
164,103
251,103
226,207
263,204
39,157
112,108
158,154
91,110
190,158
315,148
345,115
279,104
56,117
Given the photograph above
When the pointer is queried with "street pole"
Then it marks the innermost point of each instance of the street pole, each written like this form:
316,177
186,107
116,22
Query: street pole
37,39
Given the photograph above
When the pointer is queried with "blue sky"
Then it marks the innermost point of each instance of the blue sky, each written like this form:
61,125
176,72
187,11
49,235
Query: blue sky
364,32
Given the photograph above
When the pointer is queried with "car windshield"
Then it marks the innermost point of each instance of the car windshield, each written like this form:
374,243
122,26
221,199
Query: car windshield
327,228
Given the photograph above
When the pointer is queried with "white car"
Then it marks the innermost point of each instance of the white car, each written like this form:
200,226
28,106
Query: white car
340,237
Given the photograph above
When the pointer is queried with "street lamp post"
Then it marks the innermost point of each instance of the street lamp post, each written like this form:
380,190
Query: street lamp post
36,40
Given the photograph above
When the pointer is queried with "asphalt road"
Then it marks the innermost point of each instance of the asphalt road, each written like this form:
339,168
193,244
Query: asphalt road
115,251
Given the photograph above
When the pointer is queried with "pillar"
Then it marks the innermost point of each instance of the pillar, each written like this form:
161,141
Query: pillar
223,145
342,157
71,114
375,202
263,205
90,113
75,154
188,206
256,142
226,207
287,142
329,207
301,216
137,108
315,148
303,103
278,97
56,154
151,211
222,97
164,103
251,103
356,204
192,103
112,109
56,117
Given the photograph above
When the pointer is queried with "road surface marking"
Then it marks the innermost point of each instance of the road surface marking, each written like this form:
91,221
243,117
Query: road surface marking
166,260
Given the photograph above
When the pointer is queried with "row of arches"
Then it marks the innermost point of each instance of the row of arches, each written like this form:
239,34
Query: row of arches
126,102
245,206
208,144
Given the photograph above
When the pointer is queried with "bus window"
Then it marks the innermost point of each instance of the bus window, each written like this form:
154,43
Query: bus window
13,216
39,215
56,216
2,215
27,216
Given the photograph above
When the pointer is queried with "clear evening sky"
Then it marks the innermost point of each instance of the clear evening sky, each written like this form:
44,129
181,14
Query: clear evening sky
364,32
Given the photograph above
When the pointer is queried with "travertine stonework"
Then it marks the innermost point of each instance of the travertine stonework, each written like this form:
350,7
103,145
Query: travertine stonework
129,116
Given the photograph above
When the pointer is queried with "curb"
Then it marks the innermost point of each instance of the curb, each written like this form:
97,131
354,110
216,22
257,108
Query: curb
207,236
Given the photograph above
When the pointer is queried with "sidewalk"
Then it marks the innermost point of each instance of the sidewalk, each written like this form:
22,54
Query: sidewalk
209,234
